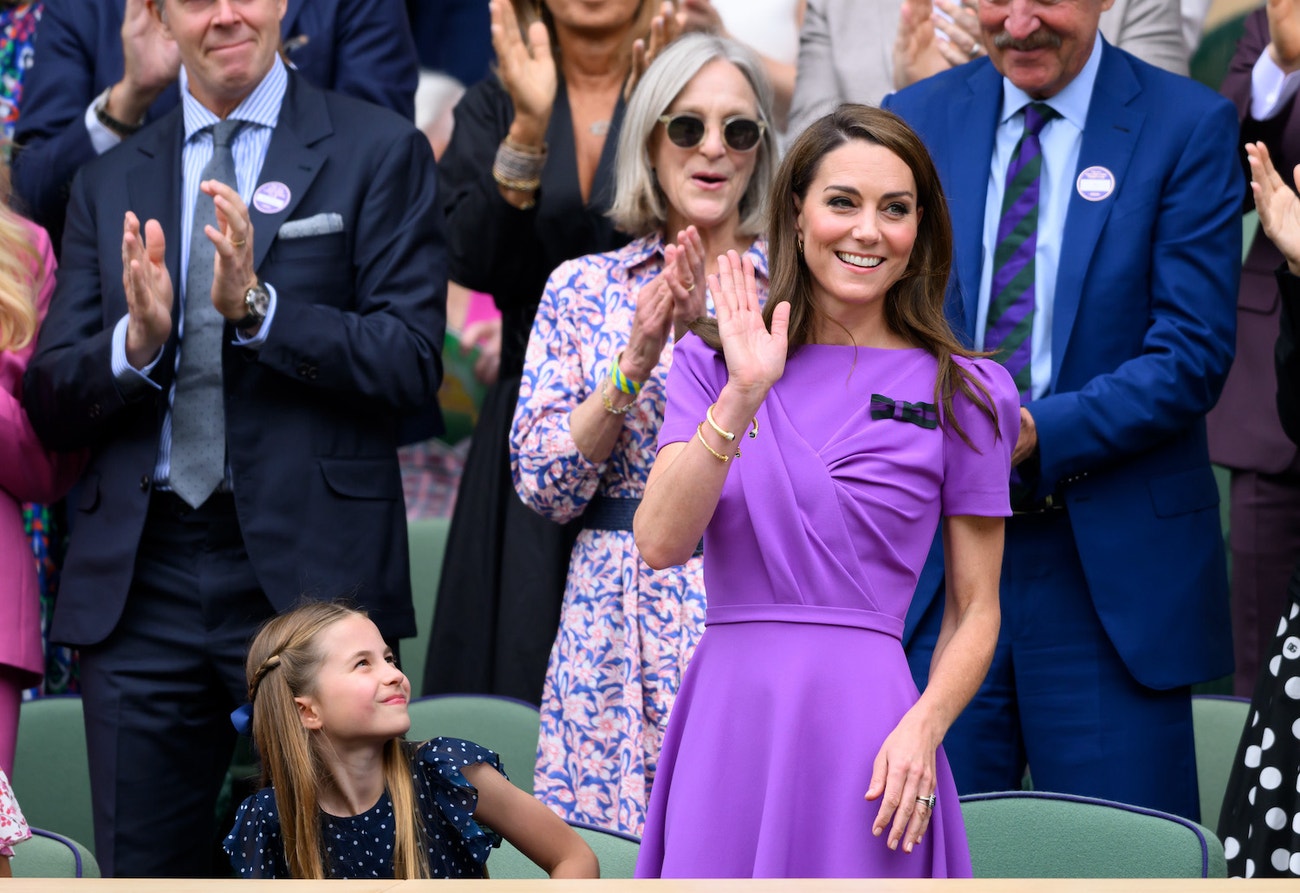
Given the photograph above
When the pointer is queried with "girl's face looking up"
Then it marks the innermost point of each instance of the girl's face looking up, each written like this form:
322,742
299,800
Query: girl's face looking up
360,695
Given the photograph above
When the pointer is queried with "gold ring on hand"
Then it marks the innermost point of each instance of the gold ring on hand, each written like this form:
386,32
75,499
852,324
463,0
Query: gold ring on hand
690,288
240,244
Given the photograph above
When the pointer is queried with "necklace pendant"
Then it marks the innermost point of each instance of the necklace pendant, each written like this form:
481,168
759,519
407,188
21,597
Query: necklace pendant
598,128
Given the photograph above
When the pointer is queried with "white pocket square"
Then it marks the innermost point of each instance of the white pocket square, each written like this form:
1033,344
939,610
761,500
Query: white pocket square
316,225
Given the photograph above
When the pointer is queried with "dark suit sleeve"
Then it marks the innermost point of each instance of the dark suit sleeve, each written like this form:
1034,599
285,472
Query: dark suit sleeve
1175,378
385,345
50,138
1287,357
374,54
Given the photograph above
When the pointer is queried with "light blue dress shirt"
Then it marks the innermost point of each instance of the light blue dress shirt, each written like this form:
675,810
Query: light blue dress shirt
261,110
1060,139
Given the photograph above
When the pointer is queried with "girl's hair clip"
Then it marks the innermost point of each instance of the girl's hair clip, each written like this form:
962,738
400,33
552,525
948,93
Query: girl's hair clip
242,719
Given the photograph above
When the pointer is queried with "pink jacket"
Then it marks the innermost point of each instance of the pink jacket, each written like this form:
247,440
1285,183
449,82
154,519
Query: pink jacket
28,473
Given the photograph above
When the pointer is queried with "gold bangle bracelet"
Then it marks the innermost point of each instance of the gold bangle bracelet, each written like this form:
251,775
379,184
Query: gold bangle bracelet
728,436
517,185
721,457
609,403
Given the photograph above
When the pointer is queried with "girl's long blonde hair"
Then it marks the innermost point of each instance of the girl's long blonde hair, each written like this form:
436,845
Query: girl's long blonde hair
22,273
282,664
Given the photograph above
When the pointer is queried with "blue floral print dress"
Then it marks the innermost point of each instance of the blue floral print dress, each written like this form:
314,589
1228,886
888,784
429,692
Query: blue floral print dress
626,632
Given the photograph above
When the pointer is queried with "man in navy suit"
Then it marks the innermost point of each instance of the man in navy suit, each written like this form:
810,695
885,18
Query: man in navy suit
315,293
102,67
1114,590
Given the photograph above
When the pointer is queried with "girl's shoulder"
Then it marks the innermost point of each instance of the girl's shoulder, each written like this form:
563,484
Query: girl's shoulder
447,757
253,844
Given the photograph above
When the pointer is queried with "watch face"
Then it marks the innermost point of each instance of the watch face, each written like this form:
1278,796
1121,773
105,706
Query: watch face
257,300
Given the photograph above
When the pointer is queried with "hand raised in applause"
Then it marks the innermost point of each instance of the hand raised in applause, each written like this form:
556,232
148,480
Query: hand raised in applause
232,271
701,16
527,70
755,356
651,323
148,289
1277,204
1284,33
685,274
151,62
665,27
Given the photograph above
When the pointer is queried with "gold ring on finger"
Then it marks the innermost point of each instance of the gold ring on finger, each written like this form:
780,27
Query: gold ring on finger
240,244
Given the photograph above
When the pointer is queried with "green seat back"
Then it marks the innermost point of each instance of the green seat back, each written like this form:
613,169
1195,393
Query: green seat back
1021,834
1213,56
1217,724
615,852
504,725
52,855
428,542
51,777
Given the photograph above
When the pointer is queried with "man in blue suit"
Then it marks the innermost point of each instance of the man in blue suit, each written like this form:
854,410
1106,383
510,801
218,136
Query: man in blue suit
1114,591
238,386
102,67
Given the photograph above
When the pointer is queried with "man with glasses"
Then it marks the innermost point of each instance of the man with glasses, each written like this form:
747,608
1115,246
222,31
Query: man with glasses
1096,204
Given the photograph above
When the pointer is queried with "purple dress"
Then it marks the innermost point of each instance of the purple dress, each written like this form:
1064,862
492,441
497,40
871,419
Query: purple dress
809,563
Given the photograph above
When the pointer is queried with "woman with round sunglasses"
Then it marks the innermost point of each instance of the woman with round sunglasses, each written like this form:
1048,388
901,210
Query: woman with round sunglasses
817,444
527,181
695,158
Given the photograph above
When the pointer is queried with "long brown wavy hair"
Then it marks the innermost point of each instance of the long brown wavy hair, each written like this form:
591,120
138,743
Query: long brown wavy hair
914,306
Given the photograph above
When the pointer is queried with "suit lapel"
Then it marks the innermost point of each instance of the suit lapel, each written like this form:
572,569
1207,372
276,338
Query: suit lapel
291,159
1109,137
973,117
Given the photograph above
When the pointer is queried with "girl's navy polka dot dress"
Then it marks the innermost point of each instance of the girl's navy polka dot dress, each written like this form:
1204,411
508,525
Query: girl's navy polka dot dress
361,846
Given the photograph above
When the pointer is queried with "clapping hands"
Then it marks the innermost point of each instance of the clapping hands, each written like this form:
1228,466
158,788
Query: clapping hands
755,356
1277,204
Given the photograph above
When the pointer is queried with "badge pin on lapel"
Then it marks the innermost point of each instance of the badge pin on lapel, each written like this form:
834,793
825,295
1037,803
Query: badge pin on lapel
1095,183
271,198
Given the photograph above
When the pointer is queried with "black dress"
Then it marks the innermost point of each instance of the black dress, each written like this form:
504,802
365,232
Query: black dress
503,576
1260,821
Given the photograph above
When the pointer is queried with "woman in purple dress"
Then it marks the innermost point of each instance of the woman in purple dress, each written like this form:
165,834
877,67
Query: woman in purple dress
798,745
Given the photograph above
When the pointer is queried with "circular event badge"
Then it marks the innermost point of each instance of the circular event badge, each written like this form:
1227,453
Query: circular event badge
1095,183
271,198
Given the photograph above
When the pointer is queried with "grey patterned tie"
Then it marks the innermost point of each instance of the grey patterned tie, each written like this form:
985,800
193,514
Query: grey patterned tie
198,453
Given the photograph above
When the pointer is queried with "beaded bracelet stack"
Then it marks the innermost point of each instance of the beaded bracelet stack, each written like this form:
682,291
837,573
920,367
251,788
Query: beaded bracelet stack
728,436
622,384
519,168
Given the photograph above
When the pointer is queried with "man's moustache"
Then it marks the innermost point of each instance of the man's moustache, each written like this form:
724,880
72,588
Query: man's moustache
1041,39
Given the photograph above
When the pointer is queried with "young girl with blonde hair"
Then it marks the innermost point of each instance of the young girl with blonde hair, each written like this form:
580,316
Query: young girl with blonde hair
348,796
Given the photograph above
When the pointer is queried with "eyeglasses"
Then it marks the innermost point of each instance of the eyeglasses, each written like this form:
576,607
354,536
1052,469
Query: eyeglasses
741,134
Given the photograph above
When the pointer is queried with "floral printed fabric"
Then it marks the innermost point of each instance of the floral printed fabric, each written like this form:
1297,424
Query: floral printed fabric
626,632
13,827
17,28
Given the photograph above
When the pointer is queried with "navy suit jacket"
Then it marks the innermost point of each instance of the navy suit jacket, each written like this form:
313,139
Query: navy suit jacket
1142,338
359,47
311,417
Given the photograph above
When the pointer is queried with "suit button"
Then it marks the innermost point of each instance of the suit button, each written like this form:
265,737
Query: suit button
94,411
144,483
303,370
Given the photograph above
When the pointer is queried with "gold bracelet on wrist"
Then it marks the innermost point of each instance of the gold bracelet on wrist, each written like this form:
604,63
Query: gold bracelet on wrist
609,403
517,185
728,436
721,457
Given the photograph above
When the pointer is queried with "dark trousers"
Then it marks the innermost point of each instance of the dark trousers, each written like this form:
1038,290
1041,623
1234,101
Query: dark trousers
158,692
1264,538
1058,698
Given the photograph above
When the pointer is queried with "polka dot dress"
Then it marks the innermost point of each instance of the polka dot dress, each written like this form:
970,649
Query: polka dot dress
1260,823
361,846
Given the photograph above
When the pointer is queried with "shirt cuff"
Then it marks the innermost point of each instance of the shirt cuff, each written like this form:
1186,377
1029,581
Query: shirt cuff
129,379
101,137
256,341
1271,89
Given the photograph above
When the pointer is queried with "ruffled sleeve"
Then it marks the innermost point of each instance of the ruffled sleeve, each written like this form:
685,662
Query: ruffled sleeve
439,778
254,844
13,827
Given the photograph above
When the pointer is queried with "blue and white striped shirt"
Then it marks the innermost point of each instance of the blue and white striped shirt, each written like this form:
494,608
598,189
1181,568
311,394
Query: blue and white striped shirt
261,110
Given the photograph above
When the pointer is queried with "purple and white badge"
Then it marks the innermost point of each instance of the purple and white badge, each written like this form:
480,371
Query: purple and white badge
271,198
1095,183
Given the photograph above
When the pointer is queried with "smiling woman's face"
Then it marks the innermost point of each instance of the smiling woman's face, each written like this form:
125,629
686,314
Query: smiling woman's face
703,185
